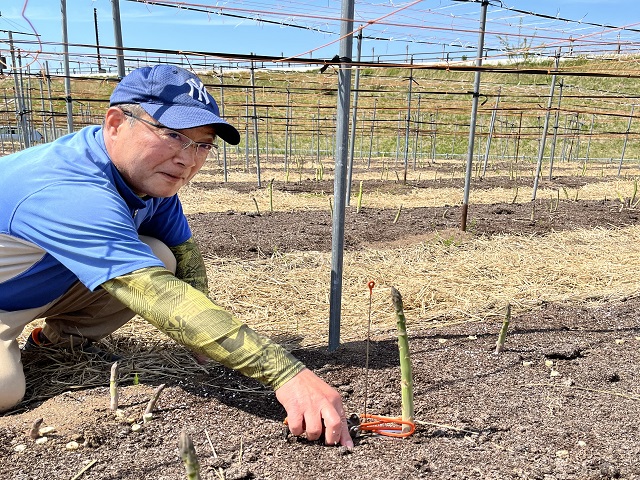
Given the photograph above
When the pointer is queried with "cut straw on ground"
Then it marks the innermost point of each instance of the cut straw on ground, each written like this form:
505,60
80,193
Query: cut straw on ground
442,280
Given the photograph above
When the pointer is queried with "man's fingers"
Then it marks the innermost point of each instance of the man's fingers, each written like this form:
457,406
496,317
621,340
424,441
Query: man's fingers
313,408
295,424
335,435
313,427
338,434
345,436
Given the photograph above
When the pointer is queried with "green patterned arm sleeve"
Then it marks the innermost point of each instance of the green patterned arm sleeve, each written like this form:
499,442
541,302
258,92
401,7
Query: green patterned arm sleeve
191,267
191,319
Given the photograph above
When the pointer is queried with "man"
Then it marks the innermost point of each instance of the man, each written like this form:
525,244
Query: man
92,232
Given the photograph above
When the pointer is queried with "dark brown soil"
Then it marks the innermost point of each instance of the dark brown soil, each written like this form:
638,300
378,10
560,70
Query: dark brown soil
248,235
561,402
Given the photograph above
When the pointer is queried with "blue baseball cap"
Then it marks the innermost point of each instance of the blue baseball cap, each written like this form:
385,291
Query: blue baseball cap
174,97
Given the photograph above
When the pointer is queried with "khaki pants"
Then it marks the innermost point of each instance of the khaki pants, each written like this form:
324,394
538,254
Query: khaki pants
77,315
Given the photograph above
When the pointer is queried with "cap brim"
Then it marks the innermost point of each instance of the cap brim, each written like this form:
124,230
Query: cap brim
180,117
227,132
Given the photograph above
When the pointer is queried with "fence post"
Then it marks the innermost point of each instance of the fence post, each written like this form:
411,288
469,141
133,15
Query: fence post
255,123
354,116
339,189
543,140
626,137
474,114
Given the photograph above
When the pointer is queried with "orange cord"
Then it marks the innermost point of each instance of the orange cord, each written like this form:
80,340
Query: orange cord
387,426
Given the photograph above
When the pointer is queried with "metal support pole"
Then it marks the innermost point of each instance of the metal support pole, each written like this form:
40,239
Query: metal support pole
286,137
453,140
42,107
117,35
6,107
434,133
543,140
266,143
555,132
67,76
20,108
474,114
340,187
415,143
317,133
27,94
586,158
224,144
373,124
577,136
626,138
255,124
354,117
564,139
51,109
516,153
246,131
489,137
407,128
95,24
398,138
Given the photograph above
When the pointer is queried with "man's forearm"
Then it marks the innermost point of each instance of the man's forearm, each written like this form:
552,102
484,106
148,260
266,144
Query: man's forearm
190,265
190,318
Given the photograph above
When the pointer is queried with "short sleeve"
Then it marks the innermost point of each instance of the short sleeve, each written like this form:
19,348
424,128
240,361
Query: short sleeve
93,234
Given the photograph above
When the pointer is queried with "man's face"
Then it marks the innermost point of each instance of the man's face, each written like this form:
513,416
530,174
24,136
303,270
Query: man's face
149,158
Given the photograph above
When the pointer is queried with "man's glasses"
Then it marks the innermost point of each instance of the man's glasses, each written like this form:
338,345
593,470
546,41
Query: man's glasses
175,140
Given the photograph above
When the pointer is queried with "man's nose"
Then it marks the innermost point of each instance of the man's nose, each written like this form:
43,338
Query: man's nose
187,156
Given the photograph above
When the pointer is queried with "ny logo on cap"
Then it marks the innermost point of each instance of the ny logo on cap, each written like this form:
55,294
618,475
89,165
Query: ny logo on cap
199,86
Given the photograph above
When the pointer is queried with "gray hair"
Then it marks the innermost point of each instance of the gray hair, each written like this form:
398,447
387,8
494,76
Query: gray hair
134,108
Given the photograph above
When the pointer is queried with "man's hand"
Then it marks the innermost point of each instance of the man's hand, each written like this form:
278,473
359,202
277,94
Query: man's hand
311,403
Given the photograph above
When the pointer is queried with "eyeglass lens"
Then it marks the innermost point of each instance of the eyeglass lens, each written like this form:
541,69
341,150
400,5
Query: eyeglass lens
176,140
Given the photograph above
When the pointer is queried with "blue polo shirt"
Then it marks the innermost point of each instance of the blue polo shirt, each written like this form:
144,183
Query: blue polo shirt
67,214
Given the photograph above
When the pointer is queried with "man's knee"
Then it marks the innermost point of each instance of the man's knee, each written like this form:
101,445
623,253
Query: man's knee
11,392
12,382
161,251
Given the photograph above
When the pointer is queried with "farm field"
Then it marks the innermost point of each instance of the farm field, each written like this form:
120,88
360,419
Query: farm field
533,107
559,403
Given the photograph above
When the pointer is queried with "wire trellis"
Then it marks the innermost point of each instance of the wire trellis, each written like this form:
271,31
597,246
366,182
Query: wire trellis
412,107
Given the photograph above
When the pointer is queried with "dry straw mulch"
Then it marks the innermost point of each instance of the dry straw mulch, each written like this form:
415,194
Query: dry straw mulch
450,278
148,356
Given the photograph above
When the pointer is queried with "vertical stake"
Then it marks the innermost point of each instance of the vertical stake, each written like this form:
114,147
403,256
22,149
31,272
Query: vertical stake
371,284
474,115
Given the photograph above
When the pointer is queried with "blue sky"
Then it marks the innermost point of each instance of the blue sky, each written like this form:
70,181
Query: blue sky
430,27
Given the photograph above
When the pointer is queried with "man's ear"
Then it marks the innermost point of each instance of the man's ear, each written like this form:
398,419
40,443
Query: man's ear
113,120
